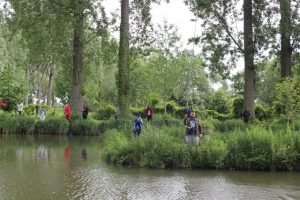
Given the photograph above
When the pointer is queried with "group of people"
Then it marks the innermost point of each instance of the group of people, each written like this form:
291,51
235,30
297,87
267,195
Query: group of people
42,113
194,130
138,121
68,112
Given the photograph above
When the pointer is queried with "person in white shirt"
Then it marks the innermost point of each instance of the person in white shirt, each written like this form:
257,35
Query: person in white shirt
20,108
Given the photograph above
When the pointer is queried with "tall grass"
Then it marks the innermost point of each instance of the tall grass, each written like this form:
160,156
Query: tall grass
256,148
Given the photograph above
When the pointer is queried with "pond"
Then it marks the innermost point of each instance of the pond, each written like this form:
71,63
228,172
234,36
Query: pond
61,168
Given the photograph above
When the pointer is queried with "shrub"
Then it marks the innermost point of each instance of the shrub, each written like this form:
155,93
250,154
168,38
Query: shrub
262,113
237,107
105,112
214,114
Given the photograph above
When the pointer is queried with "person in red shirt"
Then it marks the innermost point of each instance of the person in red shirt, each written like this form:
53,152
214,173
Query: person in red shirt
68,112
3,104
149,112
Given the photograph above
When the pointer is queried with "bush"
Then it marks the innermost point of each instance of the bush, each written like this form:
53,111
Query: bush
106,111
237,107
214,114
262,113
141,111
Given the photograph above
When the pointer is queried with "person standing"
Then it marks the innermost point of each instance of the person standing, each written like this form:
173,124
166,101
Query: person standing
68,112
246,116
193,129
149,112
42,114
137,125
85,112
20,108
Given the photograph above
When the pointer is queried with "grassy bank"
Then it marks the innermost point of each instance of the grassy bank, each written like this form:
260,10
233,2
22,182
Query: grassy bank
53,126
256,148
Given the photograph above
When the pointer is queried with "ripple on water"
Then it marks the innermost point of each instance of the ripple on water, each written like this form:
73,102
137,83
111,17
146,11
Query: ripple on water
100,184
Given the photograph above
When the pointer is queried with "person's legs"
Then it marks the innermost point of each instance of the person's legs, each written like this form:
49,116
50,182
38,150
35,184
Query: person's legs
68,117
138,131
196,140
189,139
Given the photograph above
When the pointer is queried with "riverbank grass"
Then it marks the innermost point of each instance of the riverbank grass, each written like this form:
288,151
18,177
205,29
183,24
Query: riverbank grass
255,148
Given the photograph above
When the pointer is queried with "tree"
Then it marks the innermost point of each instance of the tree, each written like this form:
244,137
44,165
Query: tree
249,87
285,32
78,51
167,43
224,43
123,76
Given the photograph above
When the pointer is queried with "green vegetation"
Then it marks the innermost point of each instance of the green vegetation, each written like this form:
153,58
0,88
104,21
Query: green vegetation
70,55
255,148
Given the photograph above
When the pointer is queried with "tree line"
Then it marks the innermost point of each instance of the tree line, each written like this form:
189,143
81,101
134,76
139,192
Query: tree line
66,49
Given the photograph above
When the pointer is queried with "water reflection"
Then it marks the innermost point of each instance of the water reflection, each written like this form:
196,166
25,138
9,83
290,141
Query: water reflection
71,168
84,155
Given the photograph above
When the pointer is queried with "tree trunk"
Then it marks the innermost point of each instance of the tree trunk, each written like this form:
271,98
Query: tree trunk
77,81
249,87
285,32
123,80
49,91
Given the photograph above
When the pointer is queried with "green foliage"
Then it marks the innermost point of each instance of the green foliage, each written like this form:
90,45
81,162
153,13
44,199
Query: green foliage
16,125
288,94
11,91
213,153
214,114
252,149
51,126
237,107
229,125
219,102
105,111
262,113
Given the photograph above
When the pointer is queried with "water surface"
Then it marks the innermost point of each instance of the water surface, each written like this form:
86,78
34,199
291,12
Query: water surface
61,168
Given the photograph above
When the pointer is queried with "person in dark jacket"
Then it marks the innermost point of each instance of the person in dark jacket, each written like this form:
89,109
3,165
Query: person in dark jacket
85,112
246,116
193,129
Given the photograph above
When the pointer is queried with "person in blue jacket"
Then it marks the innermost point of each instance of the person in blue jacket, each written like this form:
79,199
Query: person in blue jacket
137,125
